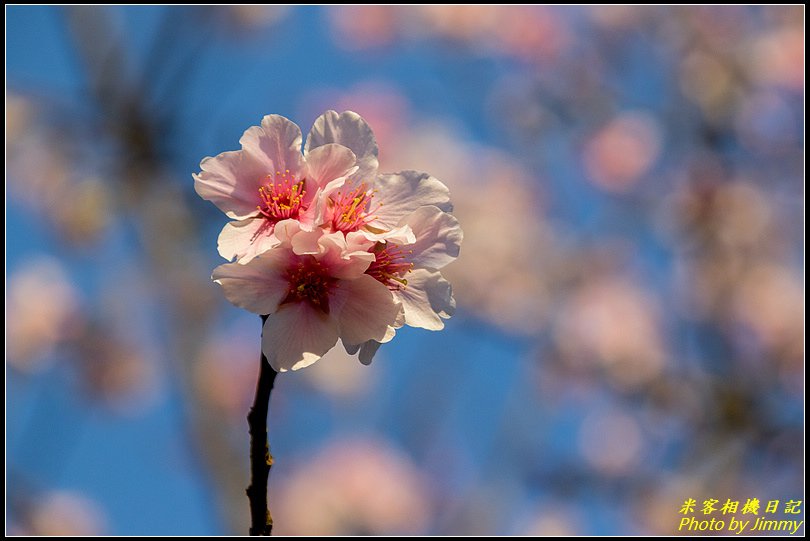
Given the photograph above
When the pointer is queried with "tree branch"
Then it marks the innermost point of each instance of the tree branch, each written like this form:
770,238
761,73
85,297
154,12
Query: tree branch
261,523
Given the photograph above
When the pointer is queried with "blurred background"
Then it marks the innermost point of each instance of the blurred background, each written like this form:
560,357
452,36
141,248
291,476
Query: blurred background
630,331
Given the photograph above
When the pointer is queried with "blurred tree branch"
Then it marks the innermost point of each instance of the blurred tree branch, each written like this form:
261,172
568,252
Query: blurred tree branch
150,197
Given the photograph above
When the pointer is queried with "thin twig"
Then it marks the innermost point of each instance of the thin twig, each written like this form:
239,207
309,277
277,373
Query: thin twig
261,523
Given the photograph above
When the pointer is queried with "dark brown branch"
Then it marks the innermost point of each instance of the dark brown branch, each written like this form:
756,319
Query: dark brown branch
261,523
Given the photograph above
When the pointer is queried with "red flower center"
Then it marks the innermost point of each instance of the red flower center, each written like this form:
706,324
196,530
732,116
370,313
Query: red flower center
310,282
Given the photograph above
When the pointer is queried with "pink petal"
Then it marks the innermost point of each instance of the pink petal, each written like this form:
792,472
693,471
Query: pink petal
329,162
329,166
343,263
231,181
438,237
297,335
365,309
258,286
333,251
306,242
246,239
350,130
426,300
276,144
359,241
404,192
317,211
285,230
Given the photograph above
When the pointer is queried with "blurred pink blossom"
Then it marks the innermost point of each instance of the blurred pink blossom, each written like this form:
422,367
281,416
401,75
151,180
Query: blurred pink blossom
615,324
42,311
63,513
350,488
618,155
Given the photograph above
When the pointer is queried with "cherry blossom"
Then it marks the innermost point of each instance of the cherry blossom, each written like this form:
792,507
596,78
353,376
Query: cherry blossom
325,246
270,185
407,260
311,300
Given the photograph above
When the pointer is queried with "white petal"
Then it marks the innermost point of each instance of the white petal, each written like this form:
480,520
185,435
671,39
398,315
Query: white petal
399,235
277,143
426,299
404,192
329,162
297,335
246,239
333,186
350,130
365,309
391,332
438,237
258,286
398,324
231,181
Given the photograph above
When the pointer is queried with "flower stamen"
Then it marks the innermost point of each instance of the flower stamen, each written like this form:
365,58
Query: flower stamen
310,282
352,210
390,265
282,197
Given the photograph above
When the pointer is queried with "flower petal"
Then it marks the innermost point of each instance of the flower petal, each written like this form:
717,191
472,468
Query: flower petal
343,263
258,286
246,239
350,130
368,348
329,162
351,349
285,230
231,181
367,351
426,299
391,332
358,240
306,242
399,235
404,192
365,309
438,237
297,335
277,144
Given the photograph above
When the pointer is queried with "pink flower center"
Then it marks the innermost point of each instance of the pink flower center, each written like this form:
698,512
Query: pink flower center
310,282
282,197
390,265
351,209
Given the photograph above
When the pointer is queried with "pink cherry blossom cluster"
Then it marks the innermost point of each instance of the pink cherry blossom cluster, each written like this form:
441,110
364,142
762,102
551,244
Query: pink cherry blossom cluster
324,245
